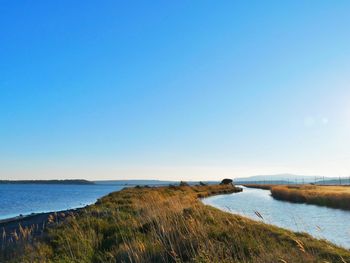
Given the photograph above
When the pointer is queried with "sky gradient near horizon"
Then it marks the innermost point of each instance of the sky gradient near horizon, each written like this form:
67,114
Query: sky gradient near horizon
176,90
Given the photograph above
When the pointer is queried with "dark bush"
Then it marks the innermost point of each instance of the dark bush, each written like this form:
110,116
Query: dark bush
226,181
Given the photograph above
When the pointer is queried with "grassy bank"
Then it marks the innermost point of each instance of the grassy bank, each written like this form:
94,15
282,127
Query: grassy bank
331,196
260,186
167,224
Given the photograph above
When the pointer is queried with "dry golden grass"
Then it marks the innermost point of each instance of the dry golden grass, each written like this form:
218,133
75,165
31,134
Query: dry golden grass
332,196
170,224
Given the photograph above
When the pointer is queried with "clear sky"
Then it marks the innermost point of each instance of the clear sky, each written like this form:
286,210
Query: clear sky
174,89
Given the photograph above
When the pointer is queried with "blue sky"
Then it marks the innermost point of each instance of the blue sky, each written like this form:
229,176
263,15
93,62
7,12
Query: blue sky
174,90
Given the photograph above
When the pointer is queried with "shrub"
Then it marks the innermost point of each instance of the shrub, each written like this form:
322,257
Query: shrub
226,181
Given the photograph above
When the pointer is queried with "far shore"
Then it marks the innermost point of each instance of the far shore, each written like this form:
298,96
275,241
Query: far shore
65,182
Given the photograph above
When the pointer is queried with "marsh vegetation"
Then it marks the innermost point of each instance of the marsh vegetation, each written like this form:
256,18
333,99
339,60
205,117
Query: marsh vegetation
331,196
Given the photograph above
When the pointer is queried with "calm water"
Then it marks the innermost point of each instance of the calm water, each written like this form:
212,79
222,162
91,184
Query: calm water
321,222
25,199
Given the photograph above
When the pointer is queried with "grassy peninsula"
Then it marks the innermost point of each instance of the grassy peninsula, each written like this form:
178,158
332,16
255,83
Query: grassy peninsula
165,224
331,196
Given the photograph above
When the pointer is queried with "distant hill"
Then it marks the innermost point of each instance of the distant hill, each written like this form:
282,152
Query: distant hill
73,181
281,179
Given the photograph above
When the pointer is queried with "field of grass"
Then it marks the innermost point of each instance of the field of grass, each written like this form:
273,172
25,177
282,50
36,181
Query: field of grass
331,196
166,224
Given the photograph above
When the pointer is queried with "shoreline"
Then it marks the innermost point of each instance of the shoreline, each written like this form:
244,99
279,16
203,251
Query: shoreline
33,214
121,183
37,222
42,220
36,217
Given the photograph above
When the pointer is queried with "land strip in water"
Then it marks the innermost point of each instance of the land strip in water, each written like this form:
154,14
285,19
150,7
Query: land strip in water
330,196
165,224
322,195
